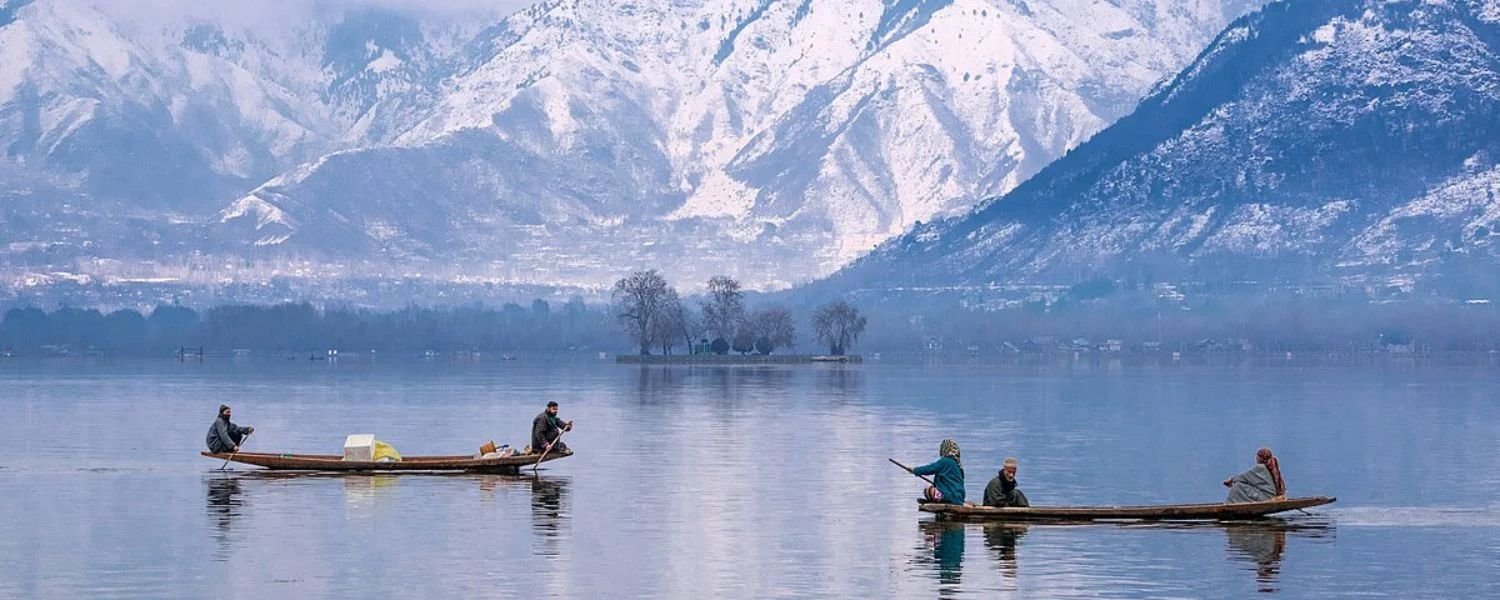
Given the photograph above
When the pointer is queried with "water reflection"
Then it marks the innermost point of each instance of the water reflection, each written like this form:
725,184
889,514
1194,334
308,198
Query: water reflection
549,505
1001,539
729,382
1262,544
549,513
227,497
1258,546
942,551
842,381
224,505
361,490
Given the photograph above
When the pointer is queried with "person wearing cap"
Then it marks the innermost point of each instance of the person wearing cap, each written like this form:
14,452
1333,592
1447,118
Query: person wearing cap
1002,490
546,428
224,436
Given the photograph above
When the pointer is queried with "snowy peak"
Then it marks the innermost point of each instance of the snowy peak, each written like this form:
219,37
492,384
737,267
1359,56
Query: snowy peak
775,139
791,135
1314,139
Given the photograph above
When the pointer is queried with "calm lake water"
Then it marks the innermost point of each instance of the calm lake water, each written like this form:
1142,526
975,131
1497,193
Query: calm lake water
751,482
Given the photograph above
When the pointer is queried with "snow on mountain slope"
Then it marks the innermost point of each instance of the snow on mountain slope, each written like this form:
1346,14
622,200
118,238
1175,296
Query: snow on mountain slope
143,108
1316,139
81,99
776,139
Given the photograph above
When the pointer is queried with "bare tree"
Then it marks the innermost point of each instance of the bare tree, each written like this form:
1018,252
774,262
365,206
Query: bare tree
640,299
774,327
724,309
676,324
688,325
838,324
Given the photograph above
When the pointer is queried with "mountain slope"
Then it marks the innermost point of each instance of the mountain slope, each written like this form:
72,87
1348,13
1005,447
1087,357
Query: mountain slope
123,129
773,139
1312,140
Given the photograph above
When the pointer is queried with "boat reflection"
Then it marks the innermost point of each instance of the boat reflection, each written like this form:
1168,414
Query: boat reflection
227,496
1259,545
367,489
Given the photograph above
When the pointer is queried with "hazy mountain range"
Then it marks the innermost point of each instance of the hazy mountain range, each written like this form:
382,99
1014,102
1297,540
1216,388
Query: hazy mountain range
776,140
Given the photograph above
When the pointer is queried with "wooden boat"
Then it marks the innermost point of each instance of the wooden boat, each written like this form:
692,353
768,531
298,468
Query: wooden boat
1162,512
510,465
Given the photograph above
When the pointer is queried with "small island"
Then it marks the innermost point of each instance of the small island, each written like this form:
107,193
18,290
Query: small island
722,331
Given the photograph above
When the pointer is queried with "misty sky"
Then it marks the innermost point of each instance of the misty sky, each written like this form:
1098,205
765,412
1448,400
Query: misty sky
271,11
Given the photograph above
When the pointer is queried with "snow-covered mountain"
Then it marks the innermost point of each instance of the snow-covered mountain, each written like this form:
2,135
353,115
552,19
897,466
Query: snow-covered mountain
123,130
180,111
1315,139
774,139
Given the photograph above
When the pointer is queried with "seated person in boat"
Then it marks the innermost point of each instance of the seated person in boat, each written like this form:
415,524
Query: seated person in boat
1002,490
224,436
1262,482
546,428
947,472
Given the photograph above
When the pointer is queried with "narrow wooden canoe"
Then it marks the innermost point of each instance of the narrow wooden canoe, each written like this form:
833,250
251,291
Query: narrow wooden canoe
1163,512
334,462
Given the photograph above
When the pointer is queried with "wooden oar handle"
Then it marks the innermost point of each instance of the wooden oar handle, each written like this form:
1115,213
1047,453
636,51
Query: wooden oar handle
913,472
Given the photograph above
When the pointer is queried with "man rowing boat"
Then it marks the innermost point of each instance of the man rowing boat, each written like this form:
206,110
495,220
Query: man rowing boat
546,429
1262,482
224,436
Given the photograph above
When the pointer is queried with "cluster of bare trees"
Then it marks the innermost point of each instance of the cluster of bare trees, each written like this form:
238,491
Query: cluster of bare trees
657,319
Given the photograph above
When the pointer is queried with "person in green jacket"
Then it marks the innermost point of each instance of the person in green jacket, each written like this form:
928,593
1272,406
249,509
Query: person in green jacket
947,472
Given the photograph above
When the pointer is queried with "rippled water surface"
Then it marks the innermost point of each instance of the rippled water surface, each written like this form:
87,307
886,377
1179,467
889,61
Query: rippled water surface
750,482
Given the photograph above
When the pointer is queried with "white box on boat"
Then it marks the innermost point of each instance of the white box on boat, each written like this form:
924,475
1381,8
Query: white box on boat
360,447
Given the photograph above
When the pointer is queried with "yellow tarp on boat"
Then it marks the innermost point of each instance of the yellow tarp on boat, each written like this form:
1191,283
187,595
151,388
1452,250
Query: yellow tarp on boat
385,452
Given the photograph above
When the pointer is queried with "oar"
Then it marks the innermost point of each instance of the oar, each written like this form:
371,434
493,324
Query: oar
908,470
538,464
236,451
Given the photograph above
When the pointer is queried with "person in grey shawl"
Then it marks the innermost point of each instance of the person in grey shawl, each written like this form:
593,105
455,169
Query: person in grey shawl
1002,490
1262,482
224,436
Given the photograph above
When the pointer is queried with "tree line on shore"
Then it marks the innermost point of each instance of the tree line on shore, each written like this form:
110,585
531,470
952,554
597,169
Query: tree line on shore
303,327
657,319
1267,323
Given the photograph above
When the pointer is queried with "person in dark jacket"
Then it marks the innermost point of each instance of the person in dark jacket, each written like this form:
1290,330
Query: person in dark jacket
947,472
224,436
546,428
1002,490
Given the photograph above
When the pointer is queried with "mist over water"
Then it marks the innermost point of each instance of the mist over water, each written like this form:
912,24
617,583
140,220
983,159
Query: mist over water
742,482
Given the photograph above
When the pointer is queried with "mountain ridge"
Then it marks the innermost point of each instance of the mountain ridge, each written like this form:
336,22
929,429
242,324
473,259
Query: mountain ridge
1294,148
772,139
804,181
